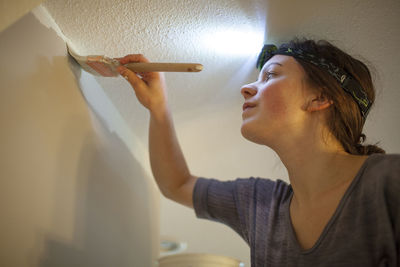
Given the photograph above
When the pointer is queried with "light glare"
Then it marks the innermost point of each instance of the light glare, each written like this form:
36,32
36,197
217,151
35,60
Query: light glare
234,42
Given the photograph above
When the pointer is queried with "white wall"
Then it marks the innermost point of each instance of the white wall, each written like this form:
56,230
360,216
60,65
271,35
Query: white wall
11,11
73,188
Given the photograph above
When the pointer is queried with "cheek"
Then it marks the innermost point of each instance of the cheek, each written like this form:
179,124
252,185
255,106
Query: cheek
274,101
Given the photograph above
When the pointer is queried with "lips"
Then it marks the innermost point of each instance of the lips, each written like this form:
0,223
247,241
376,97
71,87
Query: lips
248,105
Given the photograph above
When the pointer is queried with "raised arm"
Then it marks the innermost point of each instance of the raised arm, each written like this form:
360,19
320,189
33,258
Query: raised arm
167,161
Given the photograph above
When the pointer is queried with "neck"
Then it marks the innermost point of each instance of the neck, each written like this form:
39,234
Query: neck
316,166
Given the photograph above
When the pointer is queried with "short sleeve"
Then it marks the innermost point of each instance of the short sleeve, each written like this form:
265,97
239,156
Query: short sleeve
227,202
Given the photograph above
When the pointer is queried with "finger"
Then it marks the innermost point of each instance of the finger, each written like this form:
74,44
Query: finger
131,77
148,77
133,58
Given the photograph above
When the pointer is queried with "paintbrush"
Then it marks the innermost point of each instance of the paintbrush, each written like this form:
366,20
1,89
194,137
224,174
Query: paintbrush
107,67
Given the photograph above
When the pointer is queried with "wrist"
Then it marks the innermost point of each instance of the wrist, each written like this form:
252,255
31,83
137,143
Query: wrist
160,112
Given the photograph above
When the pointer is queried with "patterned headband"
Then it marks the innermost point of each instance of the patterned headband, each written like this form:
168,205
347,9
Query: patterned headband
347,82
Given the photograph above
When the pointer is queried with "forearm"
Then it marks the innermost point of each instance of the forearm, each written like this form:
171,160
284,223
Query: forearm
166,158
167,161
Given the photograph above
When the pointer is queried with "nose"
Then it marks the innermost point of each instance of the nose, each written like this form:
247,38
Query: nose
248,90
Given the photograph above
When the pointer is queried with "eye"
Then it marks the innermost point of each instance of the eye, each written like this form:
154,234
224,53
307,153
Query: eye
267,75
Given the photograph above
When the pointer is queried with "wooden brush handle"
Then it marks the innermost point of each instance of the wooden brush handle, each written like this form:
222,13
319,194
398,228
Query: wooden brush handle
164,67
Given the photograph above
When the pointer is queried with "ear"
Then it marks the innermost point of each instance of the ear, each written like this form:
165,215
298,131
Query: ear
317,103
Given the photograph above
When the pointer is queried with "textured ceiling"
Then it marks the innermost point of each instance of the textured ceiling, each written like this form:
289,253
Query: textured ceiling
195,31
163,29
170,31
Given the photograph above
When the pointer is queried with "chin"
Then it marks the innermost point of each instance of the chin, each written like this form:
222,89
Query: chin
251,135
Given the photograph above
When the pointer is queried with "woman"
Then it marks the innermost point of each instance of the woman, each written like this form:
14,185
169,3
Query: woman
309,105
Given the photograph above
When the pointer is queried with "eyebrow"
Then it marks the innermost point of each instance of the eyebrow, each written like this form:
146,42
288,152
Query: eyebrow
272,63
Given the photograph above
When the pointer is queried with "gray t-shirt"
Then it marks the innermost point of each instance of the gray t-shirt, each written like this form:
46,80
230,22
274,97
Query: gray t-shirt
364,230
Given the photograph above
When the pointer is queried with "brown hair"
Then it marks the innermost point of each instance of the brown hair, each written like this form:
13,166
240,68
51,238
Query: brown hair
343,118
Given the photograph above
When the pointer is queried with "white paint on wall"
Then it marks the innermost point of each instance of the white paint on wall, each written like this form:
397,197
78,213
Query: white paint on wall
73,191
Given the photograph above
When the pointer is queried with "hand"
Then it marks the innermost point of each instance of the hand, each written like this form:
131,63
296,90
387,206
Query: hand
149,87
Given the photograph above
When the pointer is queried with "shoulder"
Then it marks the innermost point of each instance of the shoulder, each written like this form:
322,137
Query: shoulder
385,159
239,184
382,174
244,186
384,165
264,187
262,190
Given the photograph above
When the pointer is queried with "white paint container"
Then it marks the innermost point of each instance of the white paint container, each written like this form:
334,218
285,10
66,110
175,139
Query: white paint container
198,260
170,246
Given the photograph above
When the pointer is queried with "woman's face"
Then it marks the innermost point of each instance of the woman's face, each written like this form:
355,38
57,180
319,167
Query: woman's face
273,104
